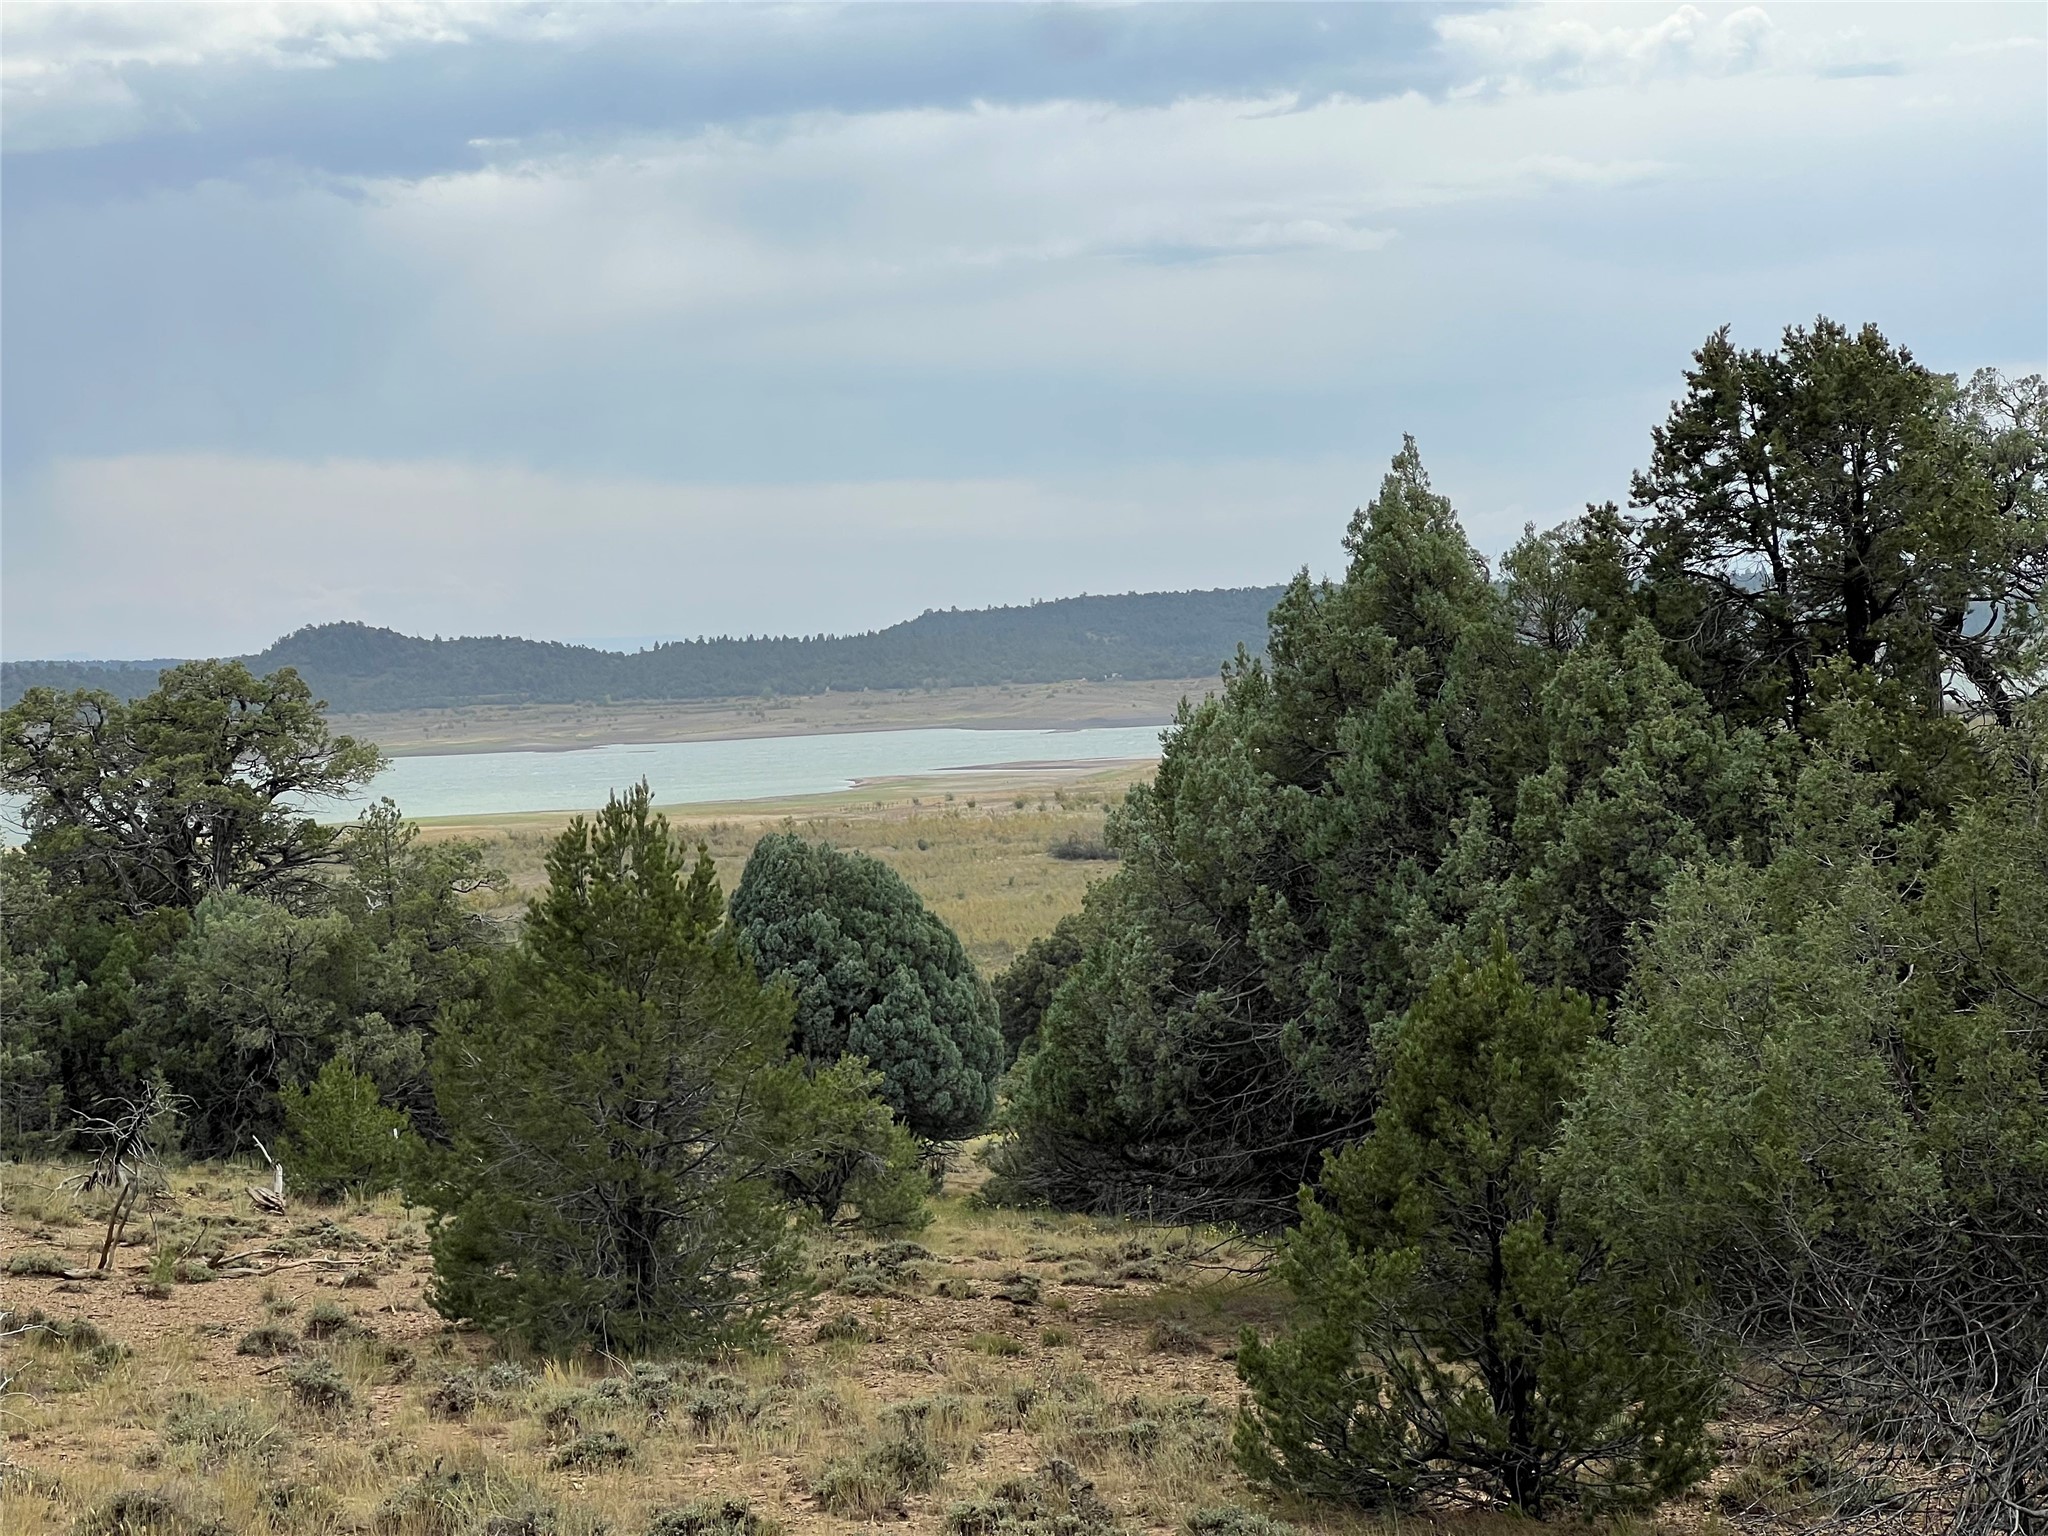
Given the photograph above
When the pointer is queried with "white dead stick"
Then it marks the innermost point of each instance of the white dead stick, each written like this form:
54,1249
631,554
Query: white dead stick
271,1199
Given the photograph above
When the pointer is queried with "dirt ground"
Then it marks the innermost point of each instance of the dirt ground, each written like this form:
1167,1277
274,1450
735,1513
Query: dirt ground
310,1387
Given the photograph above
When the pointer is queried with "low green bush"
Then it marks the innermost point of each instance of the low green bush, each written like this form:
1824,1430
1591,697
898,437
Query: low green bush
600,1448
268,1340
338,1136
317,1385
713,1517
37,1261
875,1481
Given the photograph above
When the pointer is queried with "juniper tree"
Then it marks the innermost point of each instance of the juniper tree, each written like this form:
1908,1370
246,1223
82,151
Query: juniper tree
875,975
1836,498
1403,773
1826,1101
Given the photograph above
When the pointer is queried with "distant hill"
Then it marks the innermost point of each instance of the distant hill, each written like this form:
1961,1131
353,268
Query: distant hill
360,669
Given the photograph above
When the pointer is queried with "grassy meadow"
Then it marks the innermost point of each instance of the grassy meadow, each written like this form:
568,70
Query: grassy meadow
977,853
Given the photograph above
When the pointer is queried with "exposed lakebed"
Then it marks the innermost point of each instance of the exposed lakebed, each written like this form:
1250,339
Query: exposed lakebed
710,772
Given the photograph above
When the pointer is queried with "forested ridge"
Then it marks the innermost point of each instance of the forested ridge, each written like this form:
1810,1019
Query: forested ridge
360,668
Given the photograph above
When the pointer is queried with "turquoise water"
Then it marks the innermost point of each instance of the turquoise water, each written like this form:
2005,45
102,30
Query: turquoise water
698,772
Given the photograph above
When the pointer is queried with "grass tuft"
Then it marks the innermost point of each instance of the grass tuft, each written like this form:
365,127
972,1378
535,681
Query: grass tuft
713,1517
268,1341
876,1480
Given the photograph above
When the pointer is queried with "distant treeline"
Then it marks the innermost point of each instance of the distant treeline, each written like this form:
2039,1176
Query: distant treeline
356,667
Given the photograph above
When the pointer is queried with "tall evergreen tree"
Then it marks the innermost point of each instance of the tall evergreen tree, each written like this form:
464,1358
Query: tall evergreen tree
200,787
1835,498
1421,758
618,1109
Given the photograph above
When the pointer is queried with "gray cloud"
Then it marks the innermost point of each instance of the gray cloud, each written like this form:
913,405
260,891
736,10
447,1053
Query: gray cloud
1506,239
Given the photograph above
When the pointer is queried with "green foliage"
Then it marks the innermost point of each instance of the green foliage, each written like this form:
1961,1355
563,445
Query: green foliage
267,1340
214,767
1026,986
619,1107
317,1385
1229,1520
1837,499
1406,772
238,946
854,1150
713,1517
875,1480
1054,1501
338,1136
35,1003
874,975
145,1512
1827,1101
1458,1331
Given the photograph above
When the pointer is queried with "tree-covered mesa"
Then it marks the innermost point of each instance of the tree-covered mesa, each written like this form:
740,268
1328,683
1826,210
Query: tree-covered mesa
1636,949
178,912
361,668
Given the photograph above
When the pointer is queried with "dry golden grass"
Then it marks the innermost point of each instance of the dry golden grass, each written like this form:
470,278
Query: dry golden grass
908,1385
977,855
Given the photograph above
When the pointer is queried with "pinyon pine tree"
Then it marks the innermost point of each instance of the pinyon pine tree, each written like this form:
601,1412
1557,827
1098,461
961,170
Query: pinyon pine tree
1458,1334
621,1109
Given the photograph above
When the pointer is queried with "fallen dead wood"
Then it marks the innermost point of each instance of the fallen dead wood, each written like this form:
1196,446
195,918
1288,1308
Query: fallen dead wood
246,1273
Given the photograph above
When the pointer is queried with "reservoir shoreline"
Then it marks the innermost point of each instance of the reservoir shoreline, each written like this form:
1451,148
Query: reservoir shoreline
471,729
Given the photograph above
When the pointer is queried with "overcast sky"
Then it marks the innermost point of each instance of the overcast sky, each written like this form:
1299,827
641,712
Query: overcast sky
618,322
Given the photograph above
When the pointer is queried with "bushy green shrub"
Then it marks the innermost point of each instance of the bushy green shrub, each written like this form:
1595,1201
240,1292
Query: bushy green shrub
317,1385
874,1480
1057,1500
1230,1520
875,975
854,1150
268,1340
713,1517
338,1136
146,1512
1025,987
600,1448
218,1431
1456,1332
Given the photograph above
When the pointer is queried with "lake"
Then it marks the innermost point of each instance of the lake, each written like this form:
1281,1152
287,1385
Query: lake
702,772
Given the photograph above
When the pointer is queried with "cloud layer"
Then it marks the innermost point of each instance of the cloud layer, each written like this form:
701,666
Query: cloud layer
1059,267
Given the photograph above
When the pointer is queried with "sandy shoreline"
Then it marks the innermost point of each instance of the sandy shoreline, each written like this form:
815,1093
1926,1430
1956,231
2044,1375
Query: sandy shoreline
572,727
